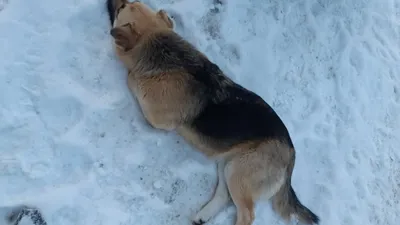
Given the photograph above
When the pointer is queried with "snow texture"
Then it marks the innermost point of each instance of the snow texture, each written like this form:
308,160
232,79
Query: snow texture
74,144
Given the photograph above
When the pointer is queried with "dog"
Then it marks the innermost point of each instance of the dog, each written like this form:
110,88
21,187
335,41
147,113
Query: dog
179,89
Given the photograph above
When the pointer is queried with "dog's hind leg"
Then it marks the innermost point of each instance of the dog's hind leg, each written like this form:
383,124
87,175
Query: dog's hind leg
250,176
219,200
241,193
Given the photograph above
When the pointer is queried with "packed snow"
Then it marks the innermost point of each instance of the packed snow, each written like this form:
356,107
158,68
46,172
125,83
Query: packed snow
74,143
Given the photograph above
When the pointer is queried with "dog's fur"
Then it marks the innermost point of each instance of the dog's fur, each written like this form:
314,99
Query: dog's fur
179,88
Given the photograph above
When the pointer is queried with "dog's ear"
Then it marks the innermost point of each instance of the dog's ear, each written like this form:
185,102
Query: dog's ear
164,16
125,36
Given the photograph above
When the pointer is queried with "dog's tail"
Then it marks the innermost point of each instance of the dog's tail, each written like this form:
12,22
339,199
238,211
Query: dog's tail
286,203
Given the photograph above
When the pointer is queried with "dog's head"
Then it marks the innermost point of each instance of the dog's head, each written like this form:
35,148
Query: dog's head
131,20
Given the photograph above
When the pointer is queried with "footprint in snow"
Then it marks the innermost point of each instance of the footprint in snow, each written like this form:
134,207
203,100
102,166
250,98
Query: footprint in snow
14,216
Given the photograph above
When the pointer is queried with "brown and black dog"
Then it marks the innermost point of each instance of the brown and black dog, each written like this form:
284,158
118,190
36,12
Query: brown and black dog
179,88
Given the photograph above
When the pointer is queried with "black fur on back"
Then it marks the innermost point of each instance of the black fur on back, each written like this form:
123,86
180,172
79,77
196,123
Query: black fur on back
242,116
237,115
111,10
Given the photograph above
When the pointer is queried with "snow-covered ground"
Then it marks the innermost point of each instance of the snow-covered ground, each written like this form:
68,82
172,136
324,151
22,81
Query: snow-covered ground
74,144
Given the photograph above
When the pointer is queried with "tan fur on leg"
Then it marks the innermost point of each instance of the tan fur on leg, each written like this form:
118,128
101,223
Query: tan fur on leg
242,197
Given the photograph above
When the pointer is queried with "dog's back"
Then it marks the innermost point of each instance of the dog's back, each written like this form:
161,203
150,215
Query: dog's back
230,112
240,116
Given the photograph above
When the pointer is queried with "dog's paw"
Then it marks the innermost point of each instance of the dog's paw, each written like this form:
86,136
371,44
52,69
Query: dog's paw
198,222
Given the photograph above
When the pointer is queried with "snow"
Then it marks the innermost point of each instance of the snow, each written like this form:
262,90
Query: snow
74,143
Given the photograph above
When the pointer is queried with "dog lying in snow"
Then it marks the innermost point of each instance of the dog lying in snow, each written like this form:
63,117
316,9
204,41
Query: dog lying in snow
179,88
